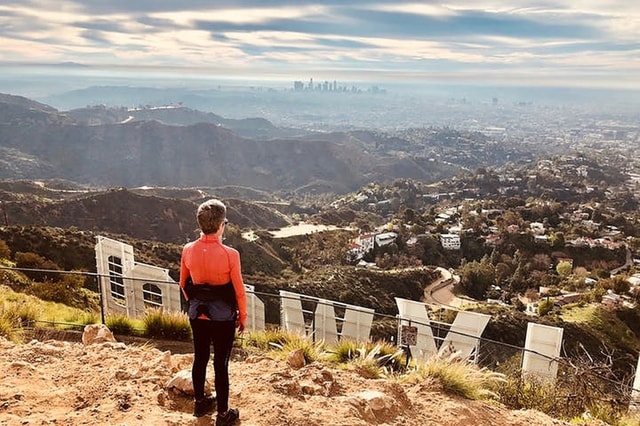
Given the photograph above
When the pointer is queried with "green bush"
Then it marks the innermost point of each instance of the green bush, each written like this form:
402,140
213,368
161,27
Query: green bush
281,343
264,340
544,307
380,354
68,290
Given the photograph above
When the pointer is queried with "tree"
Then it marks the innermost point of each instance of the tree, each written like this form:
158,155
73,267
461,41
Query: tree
564,268
617,284
518,280
532,295
556,240
502,272
544,307
541,262
475,279
634,244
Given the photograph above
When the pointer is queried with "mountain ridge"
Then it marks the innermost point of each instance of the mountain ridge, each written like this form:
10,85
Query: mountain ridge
49,144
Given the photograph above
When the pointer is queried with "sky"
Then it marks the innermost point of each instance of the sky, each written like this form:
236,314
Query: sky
554,43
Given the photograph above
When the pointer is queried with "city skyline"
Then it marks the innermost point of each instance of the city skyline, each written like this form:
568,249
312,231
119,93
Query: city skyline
550,44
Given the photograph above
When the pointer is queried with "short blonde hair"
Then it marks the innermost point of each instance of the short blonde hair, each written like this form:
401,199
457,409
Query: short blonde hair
210,215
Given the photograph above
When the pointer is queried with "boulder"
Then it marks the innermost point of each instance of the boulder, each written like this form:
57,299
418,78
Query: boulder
182,382
97,333
295,359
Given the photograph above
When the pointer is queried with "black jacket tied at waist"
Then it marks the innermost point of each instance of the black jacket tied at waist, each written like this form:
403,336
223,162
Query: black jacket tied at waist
211,293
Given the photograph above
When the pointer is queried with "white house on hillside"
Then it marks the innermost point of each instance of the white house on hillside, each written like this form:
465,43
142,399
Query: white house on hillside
537,228
450,241
363,244
385,238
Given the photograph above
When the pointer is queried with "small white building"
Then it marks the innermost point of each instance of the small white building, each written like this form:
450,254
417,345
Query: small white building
537,228
363,244
385,238
450,241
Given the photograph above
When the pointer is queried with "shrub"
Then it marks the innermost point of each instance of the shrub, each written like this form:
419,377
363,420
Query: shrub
373,361
5,252
266,340
120,324
168,325
544,307
458,377
312,351
579,389
629,420
530,393
14,279
344,351
41,267
26,312
381,356
10,325
68,290
83,318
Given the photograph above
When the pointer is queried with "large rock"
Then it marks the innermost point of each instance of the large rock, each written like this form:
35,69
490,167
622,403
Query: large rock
182,382
374,406
97,333
295,359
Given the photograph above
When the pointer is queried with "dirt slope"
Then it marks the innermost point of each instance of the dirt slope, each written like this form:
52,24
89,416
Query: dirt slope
67,383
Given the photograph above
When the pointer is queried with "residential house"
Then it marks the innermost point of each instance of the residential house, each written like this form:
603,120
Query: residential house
385,238
450,241
363,244
537,228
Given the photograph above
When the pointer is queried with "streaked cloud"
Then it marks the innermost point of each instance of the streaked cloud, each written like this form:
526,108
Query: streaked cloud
573,42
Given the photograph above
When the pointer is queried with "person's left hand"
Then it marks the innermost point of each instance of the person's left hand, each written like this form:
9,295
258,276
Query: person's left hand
240,326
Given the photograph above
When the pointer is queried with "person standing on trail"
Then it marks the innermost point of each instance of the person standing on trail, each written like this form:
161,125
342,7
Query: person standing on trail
211,281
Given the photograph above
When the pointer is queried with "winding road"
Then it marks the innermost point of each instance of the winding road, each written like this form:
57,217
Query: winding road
440,292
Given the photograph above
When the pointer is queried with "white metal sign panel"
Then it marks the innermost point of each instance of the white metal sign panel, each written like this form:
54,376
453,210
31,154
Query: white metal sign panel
357,323
464,334
291,317
255,310
415,314
541,350
325,325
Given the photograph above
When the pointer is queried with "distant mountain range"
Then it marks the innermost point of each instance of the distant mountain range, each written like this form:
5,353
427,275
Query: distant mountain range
180,147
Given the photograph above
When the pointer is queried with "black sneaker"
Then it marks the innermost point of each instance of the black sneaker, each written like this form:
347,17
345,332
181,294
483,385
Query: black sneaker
228,418
204,406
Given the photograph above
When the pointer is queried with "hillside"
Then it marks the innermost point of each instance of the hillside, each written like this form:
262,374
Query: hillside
54,382
136,213
184,148
178,115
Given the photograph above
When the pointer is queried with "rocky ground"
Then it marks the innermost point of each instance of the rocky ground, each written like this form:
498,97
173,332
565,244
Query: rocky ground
70,383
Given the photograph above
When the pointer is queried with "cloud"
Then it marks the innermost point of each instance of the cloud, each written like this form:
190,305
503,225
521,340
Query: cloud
571,38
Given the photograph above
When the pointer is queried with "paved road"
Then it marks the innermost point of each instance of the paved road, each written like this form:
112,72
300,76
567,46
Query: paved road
439,292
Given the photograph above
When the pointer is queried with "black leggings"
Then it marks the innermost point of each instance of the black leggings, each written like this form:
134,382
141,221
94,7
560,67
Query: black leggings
221,334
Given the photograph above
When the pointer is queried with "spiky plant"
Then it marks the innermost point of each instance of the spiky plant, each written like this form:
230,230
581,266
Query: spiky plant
457,377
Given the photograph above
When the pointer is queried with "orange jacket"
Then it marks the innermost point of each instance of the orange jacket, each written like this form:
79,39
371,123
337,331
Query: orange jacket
208,261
